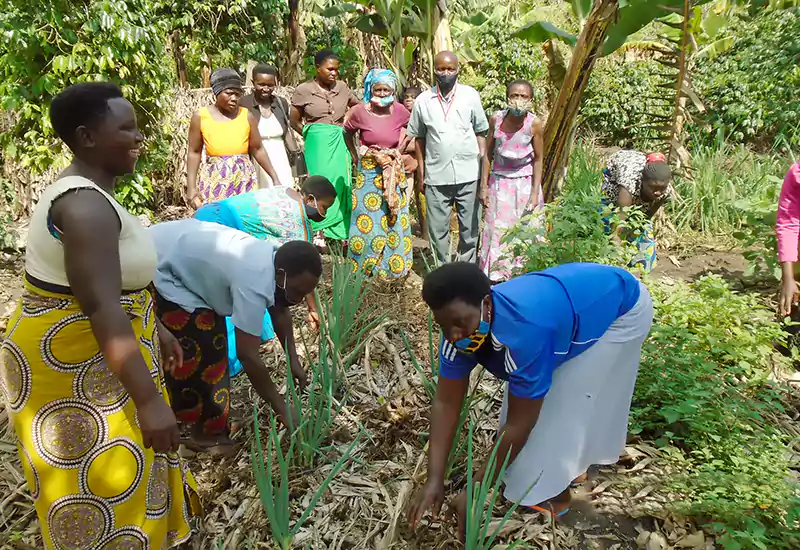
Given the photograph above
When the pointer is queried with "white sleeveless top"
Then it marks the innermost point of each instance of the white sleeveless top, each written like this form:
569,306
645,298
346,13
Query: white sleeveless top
44,256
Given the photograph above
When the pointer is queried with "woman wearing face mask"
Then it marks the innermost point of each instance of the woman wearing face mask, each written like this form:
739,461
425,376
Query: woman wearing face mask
511,183
272,114
277,215
318,110
567,341
207,272
380,230
230,137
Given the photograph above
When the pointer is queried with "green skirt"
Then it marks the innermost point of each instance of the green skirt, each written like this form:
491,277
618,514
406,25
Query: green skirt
327,155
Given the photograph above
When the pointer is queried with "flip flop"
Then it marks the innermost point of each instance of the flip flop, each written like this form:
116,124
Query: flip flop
550,511
575,483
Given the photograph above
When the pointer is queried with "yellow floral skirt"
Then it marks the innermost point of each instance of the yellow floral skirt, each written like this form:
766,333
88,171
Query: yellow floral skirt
94,483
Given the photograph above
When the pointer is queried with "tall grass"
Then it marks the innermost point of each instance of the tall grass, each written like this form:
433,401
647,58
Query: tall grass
726,183
317,416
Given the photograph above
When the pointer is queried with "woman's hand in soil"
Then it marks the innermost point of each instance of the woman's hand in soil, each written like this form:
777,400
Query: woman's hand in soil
788,297
171,351
458,508
431,497
159,426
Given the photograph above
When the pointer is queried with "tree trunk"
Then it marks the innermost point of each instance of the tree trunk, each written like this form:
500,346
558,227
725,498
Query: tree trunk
441,24
676,154
561,121
292,73
180,63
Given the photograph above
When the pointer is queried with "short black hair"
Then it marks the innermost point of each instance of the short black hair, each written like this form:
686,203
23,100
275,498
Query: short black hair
319,186
298,257
263,68
83,104
456,281
519,82
656,171
324,55
410,89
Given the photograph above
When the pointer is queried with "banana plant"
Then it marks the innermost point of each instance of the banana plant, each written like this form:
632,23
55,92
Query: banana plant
395,20
606,25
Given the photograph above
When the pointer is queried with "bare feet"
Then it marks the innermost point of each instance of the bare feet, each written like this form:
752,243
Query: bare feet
580,479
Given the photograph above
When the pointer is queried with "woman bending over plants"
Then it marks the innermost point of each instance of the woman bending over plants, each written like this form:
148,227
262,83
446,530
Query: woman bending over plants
632,178
567,341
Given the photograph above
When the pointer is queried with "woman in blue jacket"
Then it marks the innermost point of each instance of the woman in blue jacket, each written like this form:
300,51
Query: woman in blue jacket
567,341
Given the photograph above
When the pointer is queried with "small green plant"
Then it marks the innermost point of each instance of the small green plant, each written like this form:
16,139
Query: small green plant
346,320
272,479
704,395
482,499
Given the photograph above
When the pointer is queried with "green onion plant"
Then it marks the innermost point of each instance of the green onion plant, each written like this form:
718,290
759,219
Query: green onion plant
345,322
271,470
482,499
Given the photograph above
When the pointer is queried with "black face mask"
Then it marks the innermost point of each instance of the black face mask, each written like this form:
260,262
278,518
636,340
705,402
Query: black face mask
313,214
281,295
446,81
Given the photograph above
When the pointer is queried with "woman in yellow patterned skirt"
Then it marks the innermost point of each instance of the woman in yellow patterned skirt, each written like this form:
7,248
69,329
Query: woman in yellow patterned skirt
82,359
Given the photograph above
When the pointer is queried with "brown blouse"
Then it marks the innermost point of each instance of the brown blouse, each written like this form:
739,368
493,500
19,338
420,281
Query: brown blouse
318,104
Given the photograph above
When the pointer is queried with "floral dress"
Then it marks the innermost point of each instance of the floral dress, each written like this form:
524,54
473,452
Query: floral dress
510,183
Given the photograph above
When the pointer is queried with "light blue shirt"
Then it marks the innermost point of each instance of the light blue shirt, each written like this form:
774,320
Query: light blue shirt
449,127
205,265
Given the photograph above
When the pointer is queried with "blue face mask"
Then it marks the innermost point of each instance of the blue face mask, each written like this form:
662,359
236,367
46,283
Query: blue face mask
382,101
474,341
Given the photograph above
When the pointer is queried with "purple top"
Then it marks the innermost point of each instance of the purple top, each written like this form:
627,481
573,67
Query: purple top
380,131
513,153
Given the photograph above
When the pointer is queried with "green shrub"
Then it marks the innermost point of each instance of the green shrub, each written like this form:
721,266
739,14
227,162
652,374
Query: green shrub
704,396
48,46
618,102
751,90
503,59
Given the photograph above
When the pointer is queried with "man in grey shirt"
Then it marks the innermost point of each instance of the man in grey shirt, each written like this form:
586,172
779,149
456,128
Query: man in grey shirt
449,125
207,272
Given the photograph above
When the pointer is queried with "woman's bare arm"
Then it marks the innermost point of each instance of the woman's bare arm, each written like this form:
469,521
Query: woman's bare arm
90,234
194,155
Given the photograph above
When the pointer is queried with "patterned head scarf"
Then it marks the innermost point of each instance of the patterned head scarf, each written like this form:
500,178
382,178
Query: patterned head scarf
378,76
224,79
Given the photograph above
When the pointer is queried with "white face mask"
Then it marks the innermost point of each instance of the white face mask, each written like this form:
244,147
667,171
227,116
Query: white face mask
382,101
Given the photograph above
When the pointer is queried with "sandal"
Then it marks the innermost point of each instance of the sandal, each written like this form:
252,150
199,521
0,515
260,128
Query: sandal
580,480
550,512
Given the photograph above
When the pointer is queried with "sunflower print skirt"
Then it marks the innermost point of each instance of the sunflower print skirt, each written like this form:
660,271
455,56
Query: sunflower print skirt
93,482
378,244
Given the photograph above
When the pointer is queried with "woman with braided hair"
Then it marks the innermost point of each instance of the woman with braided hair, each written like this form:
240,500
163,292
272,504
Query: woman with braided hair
632,178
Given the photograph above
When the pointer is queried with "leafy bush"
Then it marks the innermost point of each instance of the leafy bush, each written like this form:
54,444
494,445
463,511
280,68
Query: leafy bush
751,90
228,34
50,45
329,33
575,226
502,60
703,395
618,105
